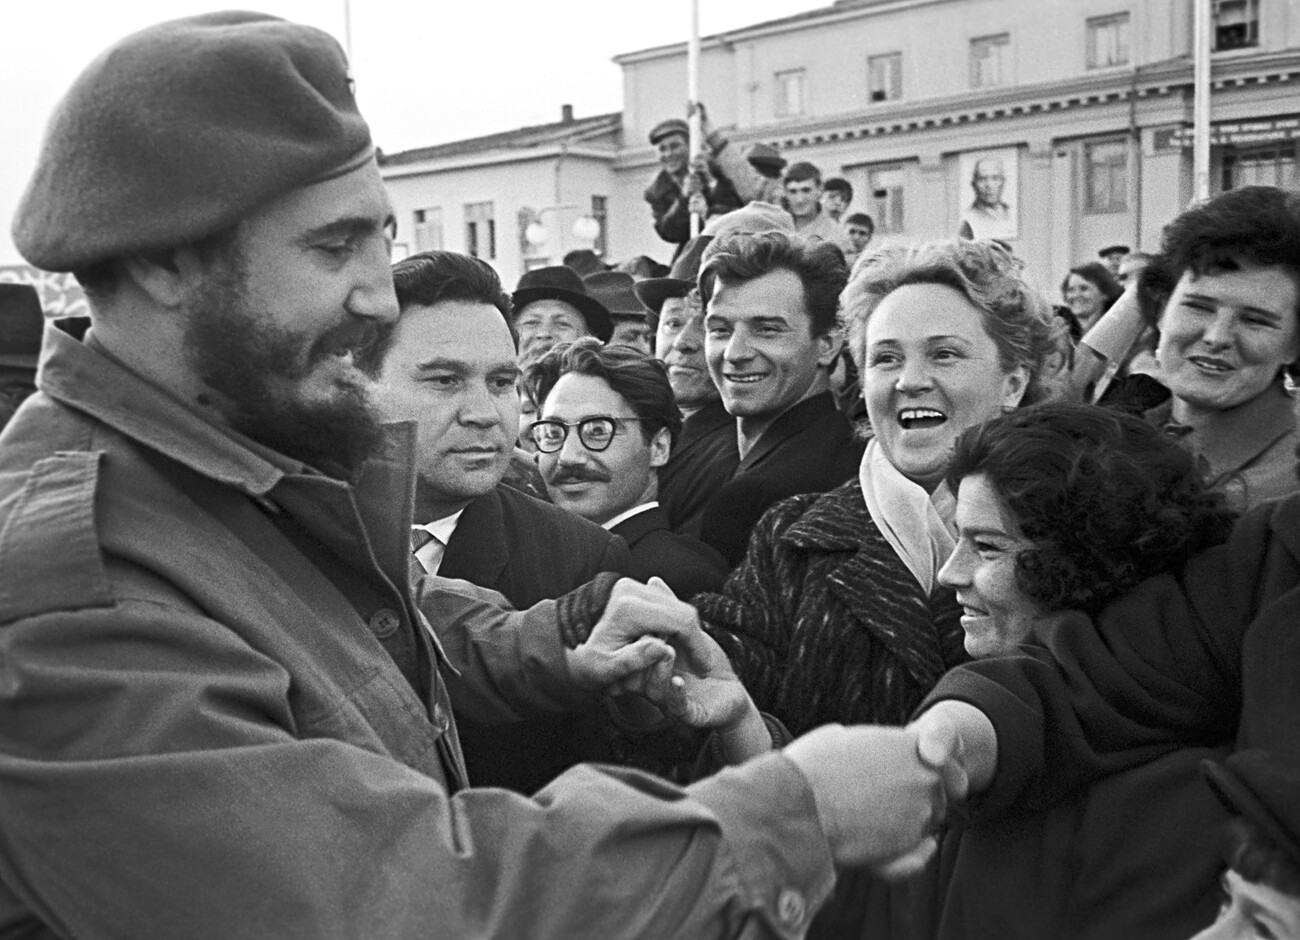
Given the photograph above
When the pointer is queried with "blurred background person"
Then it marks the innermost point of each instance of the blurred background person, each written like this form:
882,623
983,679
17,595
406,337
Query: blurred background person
836,614
837,196
21,324
1132,265
803,192
1088,290
858,229
1066,506
681,187
613,289
552,305
1112,256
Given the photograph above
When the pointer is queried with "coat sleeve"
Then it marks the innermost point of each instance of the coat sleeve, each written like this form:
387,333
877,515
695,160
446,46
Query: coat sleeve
155,781
670,208
1161,669
753,616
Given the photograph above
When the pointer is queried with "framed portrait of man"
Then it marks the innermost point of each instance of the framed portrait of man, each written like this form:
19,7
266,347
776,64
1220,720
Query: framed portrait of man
990,193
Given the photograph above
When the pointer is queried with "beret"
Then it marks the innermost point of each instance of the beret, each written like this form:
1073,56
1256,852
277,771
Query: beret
179,130
670,126
752,219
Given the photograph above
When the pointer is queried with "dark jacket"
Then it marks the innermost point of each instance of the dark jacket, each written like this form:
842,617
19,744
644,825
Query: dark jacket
824,623
686,564
528,551
704,458
1206,659
670,205
809,449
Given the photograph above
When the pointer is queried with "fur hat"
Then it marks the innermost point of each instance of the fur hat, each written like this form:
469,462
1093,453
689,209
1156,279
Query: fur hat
179,130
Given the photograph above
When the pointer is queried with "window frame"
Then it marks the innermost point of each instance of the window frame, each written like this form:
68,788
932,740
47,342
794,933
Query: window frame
1093,26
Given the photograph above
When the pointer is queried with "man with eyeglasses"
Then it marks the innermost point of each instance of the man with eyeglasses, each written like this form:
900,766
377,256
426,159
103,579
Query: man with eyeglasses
608,422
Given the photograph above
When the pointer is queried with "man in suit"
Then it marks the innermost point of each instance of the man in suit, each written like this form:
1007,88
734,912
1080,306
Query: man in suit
770,343
608,420
449,366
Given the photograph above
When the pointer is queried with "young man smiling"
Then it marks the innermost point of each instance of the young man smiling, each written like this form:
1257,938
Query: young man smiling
770,343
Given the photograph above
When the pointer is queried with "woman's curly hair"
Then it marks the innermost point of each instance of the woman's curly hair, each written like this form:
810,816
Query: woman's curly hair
1017,318
1107,499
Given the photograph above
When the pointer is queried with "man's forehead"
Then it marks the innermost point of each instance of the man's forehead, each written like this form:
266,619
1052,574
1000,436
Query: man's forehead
549,307
778,293
576,396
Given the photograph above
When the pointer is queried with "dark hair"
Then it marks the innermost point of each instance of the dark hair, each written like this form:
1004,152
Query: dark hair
431,277
1258,859
1258,223
1099,276
861,218
1107,499
100,280
820,267
642,380
803,170
1016,317
837,184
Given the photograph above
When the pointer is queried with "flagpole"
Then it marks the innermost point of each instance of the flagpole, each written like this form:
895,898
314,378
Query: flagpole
1201,100
695,144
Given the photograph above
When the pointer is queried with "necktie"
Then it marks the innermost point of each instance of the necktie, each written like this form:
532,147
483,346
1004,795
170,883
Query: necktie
419,539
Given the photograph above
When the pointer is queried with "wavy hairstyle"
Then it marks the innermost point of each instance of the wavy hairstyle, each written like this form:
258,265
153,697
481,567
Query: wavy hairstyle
1107,499
1099,276
640,379
1016,317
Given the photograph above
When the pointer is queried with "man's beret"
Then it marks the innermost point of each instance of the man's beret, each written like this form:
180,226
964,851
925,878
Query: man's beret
181,129
667,128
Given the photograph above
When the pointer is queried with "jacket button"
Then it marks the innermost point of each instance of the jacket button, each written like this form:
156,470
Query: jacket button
384,623
790,907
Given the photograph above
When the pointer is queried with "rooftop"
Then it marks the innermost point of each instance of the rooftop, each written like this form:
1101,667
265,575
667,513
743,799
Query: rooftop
568,130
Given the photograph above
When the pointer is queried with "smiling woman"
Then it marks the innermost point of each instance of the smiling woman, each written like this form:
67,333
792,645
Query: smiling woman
836,614
1225,289
1068,506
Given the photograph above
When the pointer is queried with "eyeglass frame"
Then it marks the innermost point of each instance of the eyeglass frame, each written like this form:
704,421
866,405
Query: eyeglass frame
569,425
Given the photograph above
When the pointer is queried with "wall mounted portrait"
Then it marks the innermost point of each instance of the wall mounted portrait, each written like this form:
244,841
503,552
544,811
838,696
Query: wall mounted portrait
990,191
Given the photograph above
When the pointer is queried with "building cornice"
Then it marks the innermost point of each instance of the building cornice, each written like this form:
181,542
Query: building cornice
494,158
1092,89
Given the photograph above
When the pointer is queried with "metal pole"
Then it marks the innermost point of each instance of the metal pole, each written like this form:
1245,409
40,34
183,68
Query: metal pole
694,144
1201,100
347,31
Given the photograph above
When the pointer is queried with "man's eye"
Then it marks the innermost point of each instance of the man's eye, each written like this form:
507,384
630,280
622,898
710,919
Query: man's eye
503,384
442,381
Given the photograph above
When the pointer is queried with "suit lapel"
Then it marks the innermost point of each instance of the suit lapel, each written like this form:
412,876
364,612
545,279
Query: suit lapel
478,546
801,416
635,528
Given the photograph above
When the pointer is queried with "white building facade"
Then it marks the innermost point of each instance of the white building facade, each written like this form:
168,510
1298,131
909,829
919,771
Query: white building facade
1082,107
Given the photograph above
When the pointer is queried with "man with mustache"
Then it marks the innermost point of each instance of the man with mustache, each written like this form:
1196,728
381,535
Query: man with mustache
222,713
449,366
608,421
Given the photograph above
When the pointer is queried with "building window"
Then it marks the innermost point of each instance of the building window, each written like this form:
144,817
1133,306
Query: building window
886,185
480,230
990,61
428,229
789,93
1263,166
885,77
1108,41
600,212
1106,176
1236,24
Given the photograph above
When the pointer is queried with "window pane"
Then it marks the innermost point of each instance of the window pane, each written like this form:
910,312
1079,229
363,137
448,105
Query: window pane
1236,24
887,198
1108,41
988,60
1106,179
885,77
428,229
480,230
789,93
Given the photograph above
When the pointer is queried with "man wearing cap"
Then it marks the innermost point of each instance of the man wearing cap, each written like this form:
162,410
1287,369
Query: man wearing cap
222,712
670,192
614,291
552,306
1113,256
21,322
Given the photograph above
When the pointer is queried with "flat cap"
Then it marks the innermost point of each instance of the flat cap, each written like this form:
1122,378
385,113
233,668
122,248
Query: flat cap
181,129
1113,250
666,128
765,157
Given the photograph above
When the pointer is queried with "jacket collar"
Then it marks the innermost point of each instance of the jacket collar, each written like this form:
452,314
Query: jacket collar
798,418
833,523
1229,440
636,527
479,544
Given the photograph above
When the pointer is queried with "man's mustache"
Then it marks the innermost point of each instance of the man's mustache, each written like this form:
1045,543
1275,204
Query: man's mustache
579,475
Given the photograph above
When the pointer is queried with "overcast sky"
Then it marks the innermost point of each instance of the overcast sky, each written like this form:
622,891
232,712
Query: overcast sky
427,71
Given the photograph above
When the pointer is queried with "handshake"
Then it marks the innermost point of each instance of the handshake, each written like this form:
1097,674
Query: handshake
881,792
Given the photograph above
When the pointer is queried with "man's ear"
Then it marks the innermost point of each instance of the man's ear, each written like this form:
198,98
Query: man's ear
829,345
163,274
661,447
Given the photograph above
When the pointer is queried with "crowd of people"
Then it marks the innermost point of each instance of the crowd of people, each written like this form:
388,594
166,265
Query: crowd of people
799,588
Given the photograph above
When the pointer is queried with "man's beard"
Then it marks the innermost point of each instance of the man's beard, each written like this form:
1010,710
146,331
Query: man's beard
258,369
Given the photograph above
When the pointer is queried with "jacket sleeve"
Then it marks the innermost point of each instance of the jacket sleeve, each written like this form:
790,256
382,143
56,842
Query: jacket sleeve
753,616
156,782
1161,669
670,208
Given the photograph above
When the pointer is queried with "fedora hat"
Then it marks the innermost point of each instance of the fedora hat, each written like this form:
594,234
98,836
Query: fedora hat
614,290
560,283
653,291
21,325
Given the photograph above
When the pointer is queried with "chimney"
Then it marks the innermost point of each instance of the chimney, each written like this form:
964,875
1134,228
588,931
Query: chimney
566,114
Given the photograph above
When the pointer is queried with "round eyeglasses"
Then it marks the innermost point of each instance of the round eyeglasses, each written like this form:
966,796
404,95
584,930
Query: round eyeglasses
596,434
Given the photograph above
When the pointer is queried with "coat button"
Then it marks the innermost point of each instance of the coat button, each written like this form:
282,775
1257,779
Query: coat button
790,907
384,623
